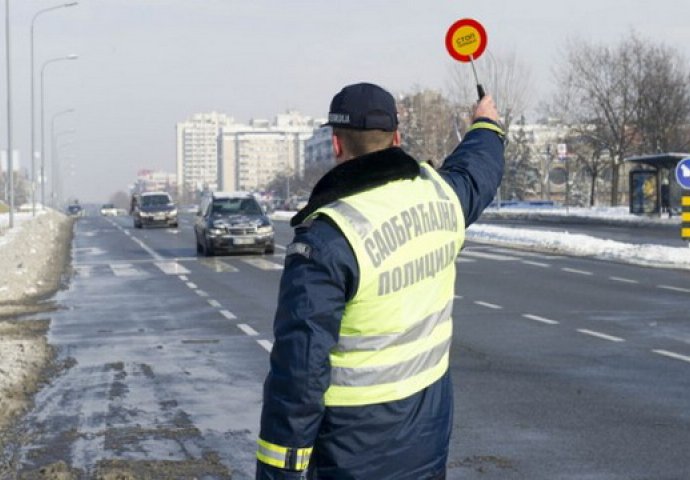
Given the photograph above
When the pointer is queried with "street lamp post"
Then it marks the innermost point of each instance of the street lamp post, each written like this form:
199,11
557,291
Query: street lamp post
10,173
54,162
33,108
43,68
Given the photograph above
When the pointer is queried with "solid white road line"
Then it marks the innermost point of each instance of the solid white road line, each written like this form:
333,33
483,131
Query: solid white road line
280,247
677,356
623,280
191,285
536,264
537,318
214,303
227,314
268,346
574,270
603,336
148,249
201,293
488,305
675,289
247,329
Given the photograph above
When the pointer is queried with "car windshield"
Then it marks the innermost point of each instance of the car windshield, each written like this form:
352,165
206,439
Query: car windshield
74,208
150,200
108,205
234,206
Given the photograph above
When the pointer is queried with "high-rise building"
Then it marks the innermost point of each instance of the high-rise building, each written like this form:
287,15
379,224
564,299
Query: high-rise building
319,149
250,156
197,152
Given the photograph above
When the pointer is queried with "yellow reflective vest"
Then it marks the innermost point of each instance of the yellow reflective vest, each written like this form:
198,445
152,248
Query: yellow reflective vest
396,331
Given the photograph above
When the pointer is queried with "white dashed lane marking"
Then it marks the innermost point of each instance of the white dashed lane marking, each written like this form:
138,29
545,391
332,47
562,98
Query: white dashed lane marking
536,264
603,336
488,305
228,315
488,256
623,280
537,318
191,285
201,293
574,270
266,344
247,329
214,303
674,289
677,356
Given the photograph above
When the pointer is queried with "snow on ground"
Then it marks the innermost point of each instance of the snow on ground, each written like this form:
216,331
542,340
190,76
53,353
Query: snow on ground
558,240
33,255
582,245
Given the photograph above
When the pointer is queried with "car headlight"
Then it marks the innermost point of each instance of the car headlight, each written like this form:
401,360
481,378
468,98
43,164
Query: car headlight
265,229
215,231
172,213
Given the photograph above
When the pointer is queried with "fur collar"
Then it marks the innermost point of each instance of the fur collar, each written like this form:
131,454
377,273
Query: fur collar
357,175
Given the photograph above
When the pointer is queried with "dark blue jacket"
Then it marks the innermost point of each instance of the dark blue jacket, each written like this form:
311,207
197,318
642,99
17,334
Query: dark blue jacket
401,440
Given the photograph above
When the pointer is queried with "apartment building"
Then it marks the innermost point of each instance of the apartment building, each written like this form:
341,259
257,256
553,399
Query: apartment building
319,149
197,151
250,156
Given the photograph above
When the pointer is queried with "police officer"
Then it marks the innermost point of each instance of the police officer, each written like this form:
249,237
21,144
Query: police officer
359,386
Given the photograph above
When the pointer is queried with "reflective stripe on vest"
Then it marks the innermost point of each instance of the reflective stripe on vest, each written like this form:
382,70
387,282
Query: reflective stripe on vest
283,457
396,331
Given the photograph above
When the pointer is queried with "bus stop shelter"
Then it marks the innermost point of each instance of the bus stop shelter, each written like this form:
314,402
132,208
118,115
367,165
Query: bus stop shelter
652,184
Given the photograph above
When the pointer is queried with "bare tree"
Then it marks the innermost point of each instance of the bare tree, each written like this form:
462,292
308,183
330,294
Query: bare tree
521,177
589,160
428,122
663,97
627,99
503,75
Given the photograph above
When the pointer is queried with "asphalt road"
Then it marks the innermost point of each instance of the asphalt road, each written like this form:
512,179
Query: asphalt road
564,368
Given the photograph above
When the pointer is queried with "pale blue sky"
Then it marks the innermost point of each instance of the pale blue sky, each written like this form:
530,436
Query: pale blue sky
147,64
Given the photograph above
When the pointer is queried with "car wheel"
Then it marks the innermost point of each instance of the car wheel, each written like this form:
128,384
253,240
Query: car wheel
199,248
270,250
137,225
208,249
174,225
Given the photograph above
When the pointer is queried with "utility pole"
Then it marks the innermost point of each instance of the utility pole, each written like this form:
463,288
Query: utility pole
10,167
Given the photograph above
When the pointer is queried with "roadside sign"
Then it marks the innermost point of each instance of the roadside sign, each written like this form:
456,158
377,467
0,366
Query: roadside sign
466,40
683,173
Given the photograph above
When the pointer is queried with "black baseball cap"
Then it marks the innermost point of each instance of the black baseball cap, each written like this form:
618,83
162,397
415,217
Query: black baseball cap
363,106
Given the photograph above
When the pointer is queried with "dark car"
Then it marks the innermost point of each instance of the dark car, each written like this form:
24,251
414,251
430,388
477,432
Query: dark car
232,222
154,209
75,210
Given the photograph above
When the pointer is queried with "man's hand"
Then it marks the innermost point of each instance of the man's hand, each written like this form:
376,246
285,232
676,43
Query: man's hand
485,108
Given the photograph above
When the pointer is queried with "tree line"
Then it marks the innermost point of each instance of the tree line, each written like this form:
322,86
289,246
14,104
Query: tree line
610,102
